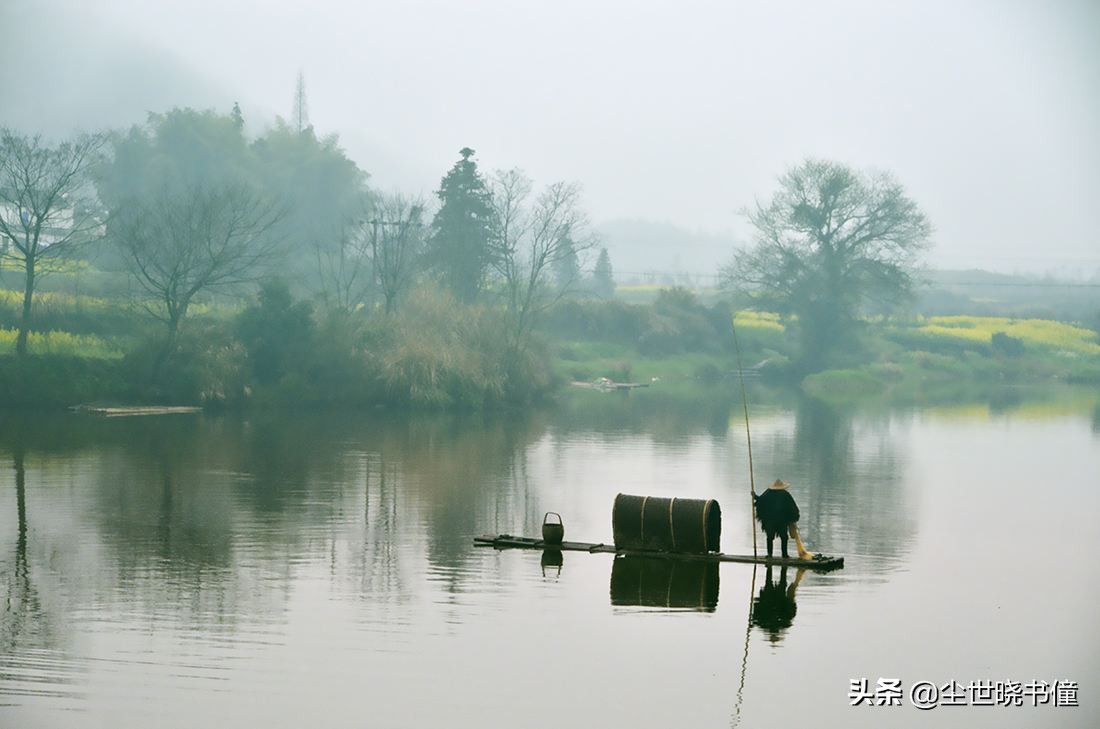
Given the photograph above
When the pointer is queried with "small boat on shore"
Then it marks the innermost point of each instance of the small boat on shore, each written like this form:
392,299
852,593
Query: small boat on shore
607,385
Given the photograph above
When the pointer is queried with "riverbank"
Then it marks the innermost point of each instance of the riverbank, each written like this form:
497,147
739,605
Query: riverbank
439,356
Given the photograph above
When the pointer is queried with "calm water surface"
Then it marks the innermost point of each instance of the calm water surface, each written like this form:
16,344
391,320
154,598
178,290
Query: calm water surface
318,570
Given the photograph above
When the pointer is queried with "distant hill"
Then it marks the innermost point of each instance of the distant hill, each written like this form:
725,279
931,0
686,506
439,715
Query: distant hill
662,252
978,292
63,68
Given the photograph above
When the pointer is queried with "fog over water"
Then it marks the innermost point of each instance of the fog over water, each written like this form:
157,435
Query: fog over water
669,112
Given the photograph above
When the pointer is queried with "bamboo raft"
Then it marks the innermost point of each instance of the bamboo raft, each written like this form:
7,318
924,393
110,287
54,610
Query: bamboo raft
507,541
118,411
609,385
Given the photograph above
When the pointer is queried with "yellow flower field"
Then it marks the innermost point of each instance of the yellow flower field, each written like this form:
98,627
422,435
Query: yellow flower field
60,343
1054,335
750,319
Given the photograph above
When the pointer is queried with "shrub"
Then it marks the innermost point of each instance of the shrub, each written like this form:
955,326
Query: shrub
208,367
1006,345
621,371
59,381
277,333
440,353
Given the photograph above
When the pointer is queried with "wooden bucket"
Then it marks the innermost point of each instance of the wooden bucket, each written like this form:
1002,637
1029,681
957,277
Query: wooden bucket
553,532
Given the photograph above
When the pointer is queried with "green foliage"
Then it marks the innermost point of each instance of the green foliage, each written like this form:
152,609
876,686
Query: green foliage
277,332
461,232
208,367
60,381
180,148
676,322
1006,345
444,355
319,190
324,192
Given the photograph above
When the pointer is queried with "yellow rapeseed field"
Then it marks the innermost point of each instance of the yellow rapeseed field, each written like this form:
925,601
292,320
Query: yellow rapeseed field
750,319
60,343
1054,335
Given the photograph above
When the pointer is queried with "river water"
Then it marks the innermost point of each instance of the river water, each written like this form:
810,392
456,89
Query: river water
318,570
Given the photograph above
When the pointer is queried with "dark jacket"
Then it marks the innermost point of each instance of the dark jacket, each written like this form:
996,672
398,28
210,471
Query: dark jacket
775,508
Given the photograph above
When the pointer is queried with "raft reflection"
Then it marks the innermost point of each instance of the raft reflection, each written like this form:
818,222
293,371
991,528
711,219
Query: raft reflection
664,583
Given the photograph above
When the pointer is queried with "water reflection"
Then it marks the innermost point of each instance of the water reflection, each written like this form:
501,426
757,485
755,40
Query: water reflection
551,562
28,631
774,608
22,608
841,472
184,550
664,583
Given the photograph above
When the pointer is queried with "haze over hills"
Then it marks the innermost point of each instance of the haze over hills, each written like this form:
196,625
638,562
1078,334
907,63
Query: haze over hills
645,250
972,131
106,79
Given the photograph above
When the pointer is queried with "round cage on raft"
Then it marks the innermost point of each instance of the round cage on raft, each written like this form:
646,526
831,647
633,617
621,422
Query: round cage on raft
666,524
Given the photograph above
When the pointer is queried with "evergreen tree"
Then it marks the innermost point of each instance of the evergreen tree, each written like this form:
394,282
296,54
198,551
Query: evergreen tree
460,247
603,279
567,264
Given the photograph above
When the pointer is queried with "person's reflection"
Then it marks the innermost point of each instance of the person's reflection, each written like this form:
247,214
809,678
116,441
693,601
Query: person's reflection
774,608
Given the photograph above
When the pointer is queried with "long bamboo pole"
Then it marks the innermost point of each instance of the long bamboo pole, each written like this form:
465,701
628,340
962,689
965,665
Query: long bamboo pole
748,433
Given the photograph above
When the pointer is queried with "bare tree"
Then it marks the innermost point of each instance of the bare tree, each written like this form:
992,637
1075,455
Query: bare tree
830,240
47,208
182,242
397,243
344,266
531,239
378,253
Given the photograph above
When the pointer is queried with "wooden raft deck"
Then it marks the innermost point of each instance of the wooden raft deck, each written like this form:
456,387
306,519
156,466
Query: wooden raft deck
507,541
118,411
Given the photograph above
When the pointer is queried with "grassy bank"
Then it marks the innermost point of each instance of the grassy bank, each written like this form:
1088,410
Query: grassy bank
436,354
276,352
906,360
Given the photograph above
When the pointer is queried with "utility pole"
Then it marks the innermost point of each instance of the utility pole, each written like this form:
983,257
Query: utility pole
389,255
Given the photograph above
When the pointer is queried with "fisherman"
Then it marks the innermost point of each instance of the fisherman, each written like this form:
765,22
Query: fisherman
778,515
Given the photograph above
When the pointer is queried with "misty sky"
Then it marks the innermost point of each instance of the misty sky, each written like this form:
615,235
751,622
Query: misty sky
988,112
